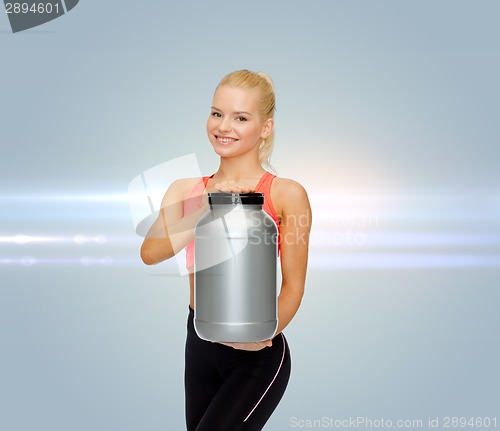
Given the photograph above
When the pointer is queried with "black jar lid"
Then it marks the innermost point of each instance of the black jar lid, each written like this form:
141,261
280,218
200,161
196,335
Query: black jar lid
223,198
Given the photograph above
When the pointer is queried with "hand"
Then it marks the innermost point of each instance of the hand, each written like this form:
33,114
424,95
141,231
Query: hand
233,187
258,345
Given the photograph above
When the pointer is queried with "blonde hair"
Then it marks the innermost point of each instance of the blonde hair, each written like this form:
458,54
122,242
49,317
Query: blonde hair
264,84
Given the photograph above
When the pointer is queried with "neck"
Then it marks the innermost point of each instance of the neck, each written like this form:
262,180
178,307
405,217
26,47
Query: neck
237,169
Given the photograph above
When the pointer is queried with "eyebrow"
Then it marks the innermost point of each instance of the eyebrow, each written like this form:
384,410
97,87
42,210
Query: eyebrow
235,113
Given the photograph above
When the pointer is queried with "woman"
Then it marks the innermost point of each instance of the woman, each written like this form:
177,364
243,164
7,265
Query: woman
237,386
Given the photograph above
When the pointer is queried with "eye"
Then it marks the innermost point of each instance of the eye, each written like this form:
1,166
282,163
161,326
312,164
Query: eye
215,114
241,119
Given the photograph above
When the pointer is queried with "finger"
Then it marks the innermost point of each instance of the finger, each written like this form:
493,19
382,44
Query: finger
233,187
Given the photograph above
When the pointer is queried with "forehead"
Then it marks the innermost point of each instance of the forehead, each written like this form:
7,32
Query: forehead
236,99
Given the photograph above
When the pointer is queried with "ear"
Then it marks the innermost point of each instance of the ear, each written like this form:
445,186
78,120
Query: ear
267,129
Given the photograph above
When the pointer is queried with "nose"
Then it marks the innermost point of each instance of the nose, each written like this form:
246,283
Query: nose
225,124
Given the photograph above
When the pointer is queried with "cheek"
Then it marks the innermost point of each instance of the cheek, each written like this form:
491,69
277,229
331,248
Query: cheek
249,131
210,123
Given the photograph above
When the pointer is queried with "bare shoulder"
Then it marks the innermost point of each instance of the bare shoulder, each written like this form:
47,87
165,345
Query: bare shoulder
185,185
289,187
179,188
289,196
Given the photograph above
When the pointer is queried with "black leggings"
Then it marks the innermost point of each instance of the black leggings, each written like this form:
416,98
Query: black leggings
229,389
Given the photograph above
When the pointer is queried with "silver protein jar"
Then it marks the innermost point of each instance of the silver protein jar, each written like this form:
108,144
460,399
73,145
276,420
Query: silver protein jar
235,261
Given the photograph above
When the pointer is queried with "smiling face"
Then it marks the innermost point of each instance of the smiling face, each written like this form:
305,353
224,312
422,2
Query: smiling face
234,126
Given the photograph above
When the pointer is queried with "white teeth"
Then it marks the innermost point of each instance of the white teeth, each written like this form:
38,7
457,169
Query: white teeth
226,140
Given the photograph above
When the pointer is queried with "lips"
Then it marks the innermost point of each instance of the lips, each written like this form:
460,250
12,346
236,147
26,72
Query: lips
225,140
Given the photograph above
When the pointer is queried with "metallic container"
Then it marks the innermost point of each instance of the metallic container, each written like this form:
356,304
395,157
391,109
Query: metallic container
235,270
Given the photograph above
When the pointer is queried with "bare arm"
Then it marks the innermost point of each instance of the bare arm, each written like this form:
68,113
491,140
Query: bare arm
295,229
171,231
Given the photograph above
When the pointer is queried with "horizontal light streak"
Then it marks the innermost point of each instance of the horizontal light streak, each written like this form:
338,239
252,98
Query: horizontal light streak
434,239
106,198
327,261
368,238
82,261
333,261
450,197
350,231
22,239
325,236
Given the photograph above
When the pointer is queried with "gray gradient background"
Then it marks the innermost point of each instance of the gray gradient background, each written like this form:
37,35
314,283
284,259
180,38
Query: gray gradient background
387,114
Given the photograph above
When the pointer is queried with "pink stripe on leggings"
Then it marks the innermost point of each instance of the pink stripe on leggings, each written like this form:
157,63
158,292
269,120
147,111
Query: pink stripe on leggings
272,381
